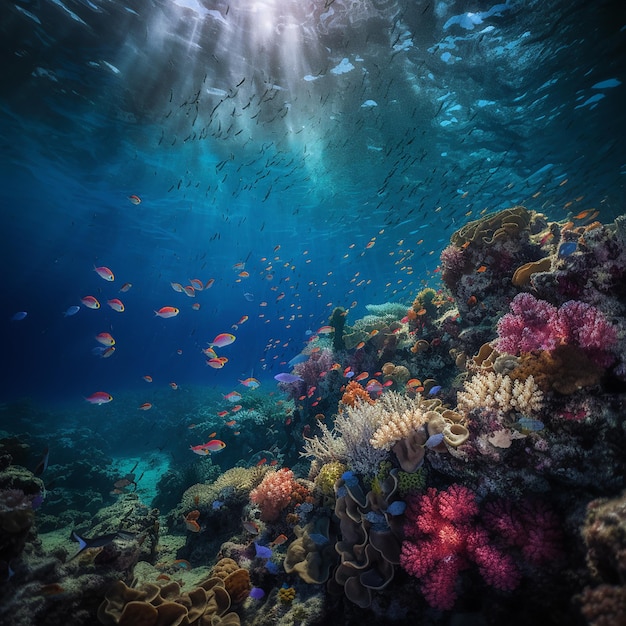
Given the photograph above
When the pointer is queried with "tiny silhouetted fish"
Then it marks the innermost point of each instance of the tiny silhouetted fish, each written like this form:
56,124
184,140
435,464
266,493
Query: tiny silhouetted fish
43,464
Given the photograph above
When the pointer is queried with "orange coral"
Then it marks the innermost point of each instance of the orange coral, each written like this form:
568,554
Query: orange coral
354,392
564,370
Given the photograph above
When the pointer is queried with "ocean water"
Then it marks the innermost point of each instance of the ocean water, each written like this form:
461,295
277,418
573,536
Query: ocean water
291,156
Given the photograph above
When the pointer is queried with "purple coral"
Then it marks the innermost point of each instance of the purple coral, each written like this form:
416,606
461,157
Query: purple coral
535,324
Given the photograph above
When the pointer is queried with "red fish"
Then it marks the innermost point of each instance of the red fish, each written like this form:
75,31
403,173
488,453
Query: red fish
100,397
146,406
104,273
215,445
134,199
105,339
223,339
90,302
233,396
197,284
116,305
148,379
167,311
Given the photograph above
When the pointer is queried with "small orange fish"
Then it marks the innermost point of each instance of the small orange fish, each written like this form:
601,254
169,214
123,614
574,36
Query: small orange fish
360,345
148,379
279,540
244,274
374,332
481,269
260,462
361,376
189,291
174,386
231,423
222,413
146,406
195,306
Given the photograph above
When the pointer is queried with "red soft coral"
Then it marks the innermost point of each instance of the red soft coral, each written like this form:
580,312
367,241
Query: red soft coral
274,493
443,538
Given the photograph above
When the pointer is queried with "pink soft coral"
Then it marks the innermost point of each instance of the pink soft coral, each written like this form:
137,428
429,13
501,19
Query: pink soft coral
443,538
273,493
537,325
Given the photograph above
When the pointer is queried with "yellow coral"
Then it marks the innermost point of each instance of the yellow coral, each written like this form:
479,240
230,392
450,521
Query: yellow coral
286,595
328,475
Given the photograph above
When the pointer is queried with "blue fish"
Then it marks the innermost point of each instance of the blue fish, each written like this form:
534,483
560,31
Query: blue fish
396,508
262,552
256,593
299,358
284,377
567,248
19,316
71,311
528,423
434,440
318,539
349,478
433,390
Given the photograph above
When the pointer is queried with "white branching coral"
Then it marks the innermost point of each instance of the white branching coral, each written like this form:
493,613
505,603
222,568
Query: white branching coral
327,448
403,416
491,390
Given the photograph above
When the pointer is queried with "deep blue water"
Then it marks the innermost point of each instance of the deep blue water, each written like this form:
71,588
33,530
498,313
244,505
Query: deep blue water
332,148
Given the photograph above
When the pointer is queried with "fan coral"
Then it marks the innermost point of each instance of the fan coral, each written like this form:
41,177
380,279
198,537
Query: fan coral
491,390
273,493
537,325
443,539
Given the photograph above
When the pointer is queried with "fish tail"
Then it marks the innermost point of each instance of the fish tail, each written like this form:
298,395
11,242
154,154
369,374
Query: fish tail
82,544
